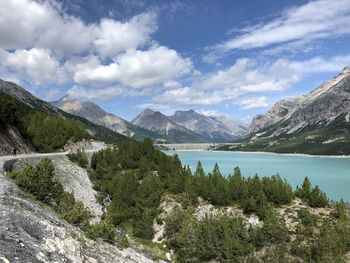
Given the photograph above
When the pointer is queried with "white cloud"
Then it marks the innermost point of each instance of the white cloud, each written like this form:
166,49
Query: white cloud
257,102
38,64
248,83
309,22
105,93
320,64
42,42
248,76
114,36
138,68
25,24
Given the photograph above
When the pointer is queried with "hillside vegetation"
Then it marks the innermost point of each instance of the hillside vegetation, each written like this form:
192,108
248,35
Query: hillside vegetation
333,139
46,132
202,217
137,177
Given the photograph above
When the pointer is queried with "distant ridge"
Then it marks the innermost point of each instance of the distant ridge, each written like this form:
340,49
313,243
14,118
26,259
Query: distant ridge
97,115
316,123
157,122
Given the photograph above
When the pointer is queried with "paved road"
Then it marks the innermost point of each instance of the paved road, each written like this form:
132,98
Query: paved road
95,147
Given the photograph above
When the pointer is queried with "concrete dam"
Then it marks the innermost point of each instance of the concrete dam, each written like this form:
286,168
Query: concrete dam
191,146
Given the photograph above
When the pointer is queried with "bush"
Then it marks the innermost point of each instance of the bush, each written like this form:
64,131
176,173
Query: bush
277,190
273,232
306,217
332,244
40,182
79,157
313,196
104,230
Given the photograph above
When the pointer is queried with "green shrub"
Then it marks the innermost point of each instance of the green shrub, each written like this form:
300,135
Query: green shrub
40,182
104,230
273,232
306,217
79,157
313,196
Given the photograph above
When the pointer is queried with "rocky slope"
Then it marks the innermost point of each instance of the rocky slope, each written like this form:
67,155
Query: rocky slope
157,122
97,115
316,123
318,108
32,232
11,138
216,129
23,96
74,179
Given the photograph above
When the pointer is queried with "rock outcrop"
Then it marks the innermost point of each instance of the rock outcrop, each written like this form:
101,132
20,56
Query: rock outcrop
11,138
32,232
319,108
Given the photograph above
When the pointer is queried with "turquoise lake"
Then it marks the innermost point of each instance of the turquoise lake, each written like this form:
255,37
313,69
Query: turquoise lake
331,174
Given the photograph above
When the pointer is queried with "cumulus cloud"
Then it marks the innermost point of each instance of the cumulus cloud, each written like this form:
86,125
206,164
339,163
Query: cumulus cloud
251,103
114,36
244,82
137,68
312,21
26,23
105,93
41,41
38,64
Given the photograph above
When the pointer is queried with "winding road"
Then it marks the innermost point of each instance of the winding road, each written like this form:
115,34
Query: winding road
95,147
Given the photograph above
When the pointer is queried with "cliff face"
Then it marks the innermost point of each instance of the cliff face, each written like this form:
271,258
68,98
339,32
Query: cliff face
31,232
318,108
11,138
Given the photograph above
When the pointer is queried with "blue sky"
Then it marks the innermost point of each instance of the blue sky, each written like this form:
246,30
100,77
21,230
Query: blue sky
233,58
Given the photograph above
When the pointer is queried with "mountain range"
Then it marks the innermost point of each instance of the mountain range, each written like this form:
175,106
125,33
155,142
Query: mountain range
316,123
190,124
97,115
182,126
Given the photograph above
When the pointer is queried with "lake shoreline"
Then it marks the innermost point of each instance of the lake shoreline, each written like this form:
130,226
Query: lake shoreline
273,153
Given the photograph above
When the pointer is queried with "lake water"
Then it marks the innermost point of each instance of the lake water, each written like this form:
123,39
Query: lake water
332,174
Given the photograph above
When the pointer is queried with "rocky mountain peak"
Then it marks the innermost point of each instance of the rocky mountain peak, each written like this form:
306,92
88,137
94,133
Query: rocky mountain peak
68,98
319,107
346,71
148,112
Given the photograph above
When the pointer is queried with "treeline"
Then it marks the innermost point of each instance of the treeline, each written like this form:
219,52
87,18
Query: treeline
46,132
136,176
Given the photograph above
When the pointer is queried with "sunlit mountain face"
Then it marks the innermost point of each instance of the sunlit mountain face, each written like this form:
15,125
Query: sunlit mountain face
229,58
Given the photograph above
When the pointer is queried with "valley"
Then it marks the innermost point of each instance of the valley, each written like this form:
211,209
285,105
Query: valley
174,131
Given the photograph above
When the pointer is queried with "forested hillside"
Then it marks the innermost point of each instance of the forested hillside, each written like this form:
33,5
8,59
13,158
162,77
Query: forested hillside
137,177
44,131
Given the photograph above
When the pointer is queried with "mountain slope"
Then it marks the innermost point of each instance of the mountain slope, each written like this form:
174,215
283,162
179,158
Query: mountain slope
157,122
24,97
97,115
320,107
216,129
316,123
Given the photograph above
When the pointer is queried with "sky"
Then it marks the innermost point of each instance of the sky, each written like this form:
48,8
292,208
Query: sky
223,57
